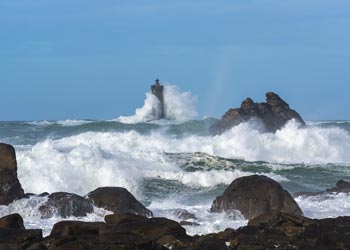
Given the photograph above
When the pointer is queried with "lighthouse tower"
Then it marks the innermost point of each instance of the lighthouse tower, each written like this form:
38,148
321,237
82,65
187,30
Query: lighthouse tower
157,90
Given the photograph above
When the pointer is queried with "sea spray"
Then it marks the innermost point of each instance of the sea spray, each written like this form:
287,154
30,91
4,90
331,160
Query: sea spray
178,106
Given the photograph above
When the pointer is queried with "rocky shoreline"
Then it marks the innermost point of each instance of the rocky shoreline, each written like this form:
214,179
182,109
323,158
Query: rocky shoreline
275,219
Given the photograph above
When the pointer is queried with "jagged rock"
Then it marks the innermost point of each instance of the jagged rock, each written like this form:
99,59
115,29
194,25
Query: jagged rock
118,200
341,187
10,188
254,195
14,236
65,205
273,114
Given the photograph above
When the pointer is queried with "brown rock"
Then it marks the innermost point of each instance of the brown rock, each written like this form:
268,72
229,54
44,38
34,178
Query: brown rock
273,115
13,221
10,188
118,200
254,195
13,235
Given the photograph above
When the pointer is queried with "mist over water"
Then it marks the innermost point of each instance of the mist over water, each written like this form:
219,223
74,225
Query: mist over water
175,163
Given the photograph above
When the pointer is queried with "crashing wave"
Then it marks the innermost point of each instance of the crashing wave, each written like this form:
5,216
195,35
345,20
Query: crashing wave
178,106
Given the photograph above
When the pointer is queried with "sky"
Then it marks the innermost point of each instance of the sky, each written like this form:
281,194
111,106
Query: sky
86,59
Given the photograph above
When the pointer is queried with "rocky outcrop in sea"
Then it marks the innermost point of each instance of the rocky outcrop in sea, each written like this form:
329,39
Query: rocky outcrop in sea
272,115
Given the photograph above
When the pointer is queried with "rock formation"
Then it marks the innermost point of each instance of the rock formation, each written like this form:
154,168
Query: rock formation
14,236
273,115
340,187
157,90
65,205
10,188
118,200
254,195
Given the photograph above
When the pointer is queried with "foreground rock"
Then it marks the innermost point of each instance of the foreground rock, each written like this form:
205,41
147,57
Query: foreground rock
65,205
341,187
253,196
122,231
14,236
10,188
273,114
276,230
118,200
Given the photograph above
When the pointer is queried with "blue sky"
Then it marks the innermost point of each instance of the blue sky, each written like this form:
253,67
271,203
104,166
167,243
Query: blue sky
96,59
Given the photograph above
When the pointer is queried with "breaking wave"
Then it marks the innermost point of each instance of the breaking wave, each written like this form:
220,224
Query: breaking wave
178,106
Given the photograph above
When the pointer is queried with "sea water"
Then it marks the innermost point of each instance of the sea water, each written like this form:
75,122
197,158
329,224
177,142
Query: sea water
175,163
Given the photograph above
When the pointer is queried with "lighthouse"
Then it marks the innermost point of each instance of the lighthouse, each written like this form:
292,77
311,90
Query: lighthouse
157,90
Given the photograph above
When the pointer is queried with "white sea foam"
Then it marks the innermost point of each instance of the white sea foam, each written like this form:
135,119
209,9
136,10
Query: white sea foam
325,206
89,160
208,222
65,123
178,106
29,210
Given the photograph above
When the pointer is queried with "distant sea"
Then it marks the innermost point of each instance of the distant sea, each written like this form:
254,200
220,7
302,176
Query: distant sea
174,163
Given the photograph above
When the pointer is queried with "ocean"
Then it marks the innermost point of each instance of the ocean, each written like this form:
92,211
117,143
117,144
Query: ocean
175,163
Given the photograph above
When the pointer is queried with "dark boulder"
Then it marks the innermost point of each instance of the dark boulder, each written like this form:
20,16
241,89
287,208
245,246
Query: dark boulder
13,221
273,115
254,195
14,236
151,229
76,229
117,200
10,188
124,218
209,243
65,205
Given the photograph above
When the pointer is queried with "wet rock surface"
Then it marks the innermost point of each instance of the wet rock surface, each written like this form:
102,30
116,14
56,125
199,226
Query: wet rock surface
254,195
65,205
117,200
272,114
10,188
14,236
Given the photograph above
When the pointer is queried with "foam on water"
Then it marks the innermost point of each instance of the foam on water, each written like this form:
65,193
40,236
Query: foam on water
178,106
89,160
208,222
324,206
